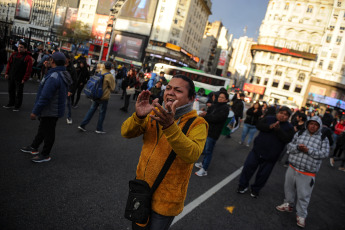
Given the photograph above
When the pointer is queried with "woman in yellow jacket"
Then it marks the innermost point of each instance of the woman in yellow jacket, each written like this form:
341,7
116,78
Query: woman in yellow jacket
161,127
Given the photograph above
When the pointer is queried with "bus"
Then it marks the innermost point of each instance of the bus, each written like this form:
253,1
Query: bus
204,83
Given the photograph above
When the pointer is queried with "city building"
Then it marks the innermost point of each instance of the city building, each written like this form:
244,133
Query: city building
241,61
327,83
223,53
290,39
177,32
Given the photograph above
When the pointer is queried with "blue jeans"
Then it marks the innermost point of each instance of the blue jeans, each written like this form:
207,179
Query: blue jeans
92,110
248,129
69,107
208,150
118,83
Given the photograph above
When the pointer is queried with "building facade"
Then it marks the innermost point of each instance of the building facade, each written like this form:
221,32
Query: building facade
290,38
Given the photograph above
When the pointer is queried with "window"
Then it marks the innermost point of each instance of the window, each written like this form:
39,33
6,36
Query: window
310,9
266,81
286,86
321,64
275,83
301,77
330,66
334,55
329,38
342,71
339,4
271,56
258,79
286,6
279,73
298,88
268,71
342,28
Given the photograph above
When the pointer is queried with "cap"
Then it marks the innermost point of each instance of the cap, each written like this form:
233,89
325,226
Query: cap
107,65
58,56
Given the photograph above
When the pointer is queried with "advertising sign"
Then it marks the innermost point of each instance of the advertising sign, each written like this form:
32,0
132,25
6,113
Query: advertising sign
99,27
60,15
254,88
71,17
104,6
222,58
326,100
136,9
128,46
23,10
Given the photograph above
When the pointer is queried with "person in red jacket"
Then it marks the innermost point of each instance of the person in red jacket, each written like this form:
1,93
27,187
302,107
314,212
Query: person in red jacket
18,71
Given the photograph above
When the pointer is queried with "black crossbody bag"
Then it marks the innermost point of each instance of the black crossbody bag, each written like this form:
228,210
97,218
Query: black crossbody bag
138,207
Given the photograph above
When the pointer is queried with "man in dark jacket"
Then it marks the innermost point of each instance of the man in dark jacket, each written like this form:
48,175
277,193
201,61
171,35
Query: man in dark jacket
237,107
275,133
216,116
49,106
18,71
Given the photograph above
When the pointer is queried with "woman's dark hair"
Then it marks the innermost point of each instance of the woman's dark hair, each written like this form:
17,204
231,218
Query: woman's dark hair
191,90
225,94
258,104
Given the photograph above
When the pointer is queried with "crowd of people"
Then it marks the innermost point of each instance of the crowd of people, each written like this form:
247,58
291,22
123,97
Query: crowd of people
162,109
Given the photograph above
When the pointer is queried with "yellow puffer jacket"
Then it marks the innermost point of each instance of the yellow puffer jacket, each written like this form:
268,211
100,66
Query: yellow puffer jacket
168,200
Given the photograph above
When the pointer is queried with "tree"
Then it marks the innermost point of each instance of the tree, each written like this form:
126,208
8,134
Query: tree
76,33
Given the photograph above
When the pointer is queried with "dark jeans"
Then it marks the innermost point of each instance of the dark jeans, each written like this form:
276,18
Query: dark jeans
337,151
157,222
253,162
127,97
46,133
69,107
208,151
15,92
92,110
78,92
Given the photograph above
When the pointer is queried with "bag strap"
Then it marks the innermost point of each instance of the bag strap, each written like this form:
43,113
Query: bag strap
169,160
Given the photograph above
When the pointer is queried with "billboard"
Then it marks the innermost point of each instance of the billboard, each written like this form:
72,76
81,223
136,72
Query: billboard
222,58
98,28
60,15
71,17
326,100
23,10
104,6
138,9
129,47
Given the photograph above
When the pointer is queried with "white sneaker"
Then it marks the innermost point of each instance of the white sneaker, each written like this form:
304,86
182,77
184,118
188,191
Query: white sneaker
247,145
201,172
198,165
240,142
69,121
81,128
300,221
100,132
331,161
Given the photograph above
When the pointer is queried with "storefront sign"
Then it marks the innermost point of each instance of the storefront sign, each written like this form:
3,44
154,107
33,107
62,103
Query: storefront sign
326,100
173,47
254,88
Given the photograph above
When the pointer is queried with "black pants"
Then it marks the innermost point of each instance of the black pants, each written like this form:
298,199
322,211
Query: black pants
15,92
46,133
337,151
126,100
78,92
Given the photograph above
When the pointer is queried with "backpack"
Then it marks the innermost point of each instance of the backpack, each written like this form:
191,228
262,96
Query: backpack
94,86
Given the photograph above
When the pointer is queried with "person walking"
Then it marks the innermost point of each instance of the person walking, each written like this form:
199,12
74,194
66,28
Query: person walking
216,116
49,106
306,152
275,133
129,82
161,127
108,87
72,88
18,71
82,77
238,107
253,115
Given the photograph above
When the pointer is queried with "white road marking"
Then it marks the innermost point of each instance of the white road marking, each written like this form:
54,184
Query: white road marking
195,203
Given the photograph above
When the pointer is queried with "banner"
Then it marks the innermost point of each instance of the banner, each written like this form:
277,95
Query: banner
23,10
254,88
222,58
60,15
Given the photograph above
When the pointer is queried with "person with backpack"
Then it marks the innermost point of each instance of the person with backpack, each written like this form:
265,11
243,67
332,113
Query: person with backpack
108,85
82,77
18,71
306,151
49,106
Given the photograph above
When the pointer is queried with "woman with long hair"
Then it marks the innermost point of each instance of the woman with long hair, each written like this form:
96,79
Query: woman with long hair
127,83
253,114
82,78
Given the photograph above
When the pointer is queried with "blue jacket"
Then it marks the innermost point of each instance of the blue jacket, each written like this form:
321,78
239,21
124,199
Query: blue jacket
153,80
270,143
52,93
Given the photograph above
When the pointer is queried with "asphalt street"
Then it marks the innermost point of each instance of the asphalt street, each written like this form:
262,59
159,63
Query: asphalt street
85,185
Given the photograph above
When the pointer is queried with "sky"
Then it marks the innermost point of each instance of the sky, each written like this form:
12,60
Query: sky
237,14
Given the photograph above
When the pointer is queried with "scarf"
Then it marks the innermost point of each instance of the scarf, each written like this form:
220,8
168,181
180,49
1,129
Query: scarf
182,110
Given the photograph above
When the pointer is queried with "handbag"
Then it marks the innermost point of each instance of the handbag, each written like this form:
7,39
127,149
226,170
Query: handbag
138,206
130,91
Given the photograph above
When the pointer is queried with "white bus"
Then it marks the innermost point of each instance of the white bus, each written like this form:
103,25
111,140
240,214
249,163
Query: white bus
204,83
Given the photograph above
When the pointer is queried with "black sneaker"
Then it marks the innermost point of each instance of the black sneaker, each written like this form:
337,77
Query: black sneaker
254,194
8,106
40,158
29,149
241,190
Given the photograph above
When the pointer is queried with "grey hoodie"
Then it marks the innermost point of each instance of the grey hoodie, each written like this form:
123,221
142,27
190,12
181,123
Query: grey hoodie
318,149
